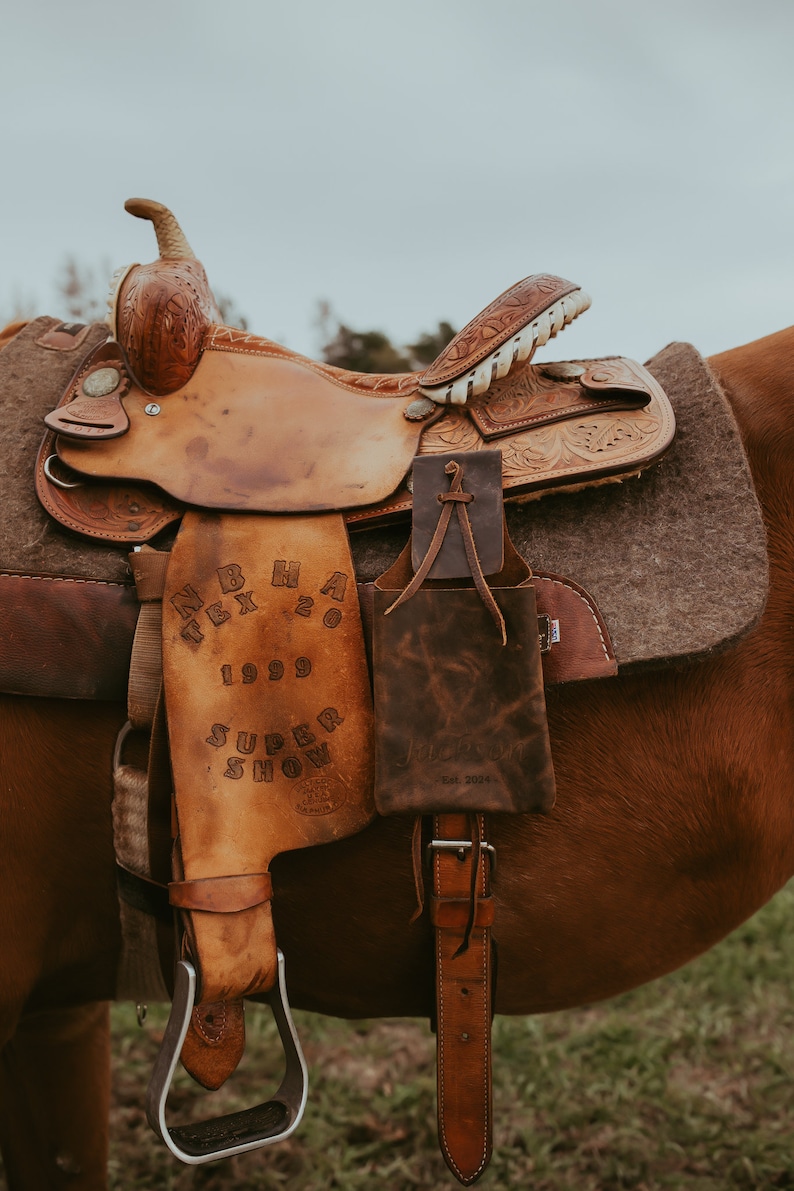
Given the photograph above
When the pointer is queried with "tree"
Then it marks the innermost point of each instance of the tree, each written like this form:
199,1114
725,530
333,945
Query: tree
84,290
431,344
231,316
373,351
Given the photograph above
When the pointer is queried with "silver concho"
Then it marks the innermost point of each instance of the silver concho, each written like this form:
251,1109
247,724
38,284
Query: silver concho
101,382
419,409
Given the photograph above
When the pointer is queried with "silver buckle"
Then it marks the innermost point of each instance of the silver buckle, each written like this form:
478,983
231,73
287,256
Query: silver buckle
236,1132
462,846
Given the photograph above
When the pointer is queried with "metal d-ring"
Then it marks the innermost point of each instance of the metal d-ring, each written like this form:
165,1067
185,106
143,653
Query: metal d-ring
236,1132
124,732
54,479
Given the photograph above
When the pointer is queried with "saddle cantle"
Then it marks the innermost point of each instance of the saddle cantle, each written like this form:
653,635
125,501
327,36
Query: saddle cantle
266,456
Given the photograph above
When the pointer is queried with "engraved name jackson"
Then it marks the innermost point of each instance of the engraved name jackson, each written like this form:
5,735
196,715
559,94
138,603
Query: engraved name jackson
462,750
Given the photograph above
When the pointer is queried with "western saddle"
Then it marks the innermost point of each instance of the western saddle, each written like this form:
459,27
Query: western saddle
282,712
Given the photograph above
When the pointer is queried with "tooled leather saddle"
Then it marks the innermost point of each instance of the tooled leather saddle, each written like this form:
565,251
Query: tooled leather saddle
286,708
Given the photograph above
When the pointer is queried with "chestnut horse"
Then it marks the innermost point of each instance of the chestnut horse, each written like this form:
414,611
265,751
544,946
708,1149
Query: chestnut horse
674,822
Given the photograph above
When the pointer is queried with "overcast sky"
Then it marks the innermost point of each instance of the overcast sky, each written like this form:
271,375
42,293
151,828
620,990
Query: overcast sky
407,161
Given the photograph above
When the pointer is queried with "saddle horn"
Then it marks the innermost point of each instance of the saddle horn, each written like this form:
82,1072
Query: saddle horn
171,240
159,312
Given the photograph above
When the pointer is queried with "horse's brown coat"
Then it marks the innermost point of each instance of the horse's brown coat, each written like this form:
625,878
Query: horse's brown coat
673,823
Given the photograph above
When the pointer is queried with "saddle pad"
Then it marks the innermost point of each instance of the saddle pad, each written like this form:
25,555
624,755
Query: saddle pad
675,559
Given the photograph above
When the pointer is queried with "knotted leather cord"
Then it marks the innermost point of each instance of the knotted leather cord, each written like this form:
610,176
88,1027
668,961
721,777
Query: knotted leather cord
459,499
475,825
416,857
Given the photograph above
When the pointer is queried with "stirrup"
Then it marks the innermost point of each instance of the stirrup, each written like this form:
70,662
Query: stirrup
236,1132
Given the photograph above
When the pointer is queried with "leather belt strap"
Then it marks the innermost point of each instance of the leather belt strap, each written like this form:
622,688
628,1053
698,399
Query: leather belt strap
222,895
462,913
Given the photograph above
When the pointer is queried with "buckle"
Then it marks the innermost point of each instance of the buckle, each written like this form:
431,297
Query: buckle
461,847
236,1132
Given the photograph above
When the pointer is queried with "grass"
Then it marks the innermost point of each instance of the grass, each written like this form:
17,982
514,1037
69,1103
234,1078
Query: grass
685,1083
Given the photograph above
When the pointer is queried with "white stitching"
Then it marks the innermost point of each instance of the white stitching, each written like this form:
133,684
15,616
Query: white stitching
198,1022
590,608
66,579
232,346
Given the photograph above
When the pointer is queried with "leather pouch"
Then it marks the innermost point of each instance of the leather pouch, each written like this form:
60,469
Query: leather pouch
460,716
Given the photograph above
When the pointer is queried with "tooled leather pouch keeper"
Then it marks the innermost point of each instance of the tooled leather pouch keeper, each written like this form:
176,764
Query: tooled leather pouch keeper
460,716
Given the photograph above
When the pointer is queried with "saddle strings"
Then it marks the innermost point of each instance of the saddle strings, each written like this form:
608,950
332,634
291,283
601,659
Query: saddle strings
475,831
416,857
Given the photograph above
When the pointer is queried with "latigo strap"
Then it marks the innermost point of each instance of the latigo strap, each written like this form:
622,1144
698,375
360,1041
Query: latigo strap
462,913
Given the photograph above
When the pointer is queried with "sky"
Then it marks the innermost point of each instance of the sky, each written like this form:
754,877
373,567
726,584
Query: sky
406,162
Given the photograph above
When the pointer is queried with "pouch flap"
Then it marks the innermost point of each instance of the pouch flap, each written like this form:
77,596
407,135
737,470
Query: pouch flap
482,480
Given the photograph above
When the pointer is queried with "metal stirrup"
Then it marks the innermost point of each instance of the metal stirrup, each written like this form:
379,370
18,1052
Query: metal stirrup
236,1132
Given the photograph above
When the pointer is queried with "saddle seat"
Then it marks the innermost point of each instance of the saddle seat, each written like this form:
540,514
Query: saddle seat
160,312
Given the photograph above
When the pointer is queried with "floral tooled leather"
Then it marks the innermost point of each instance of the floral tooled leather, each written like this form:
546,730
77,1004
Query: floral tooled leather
162,313
507,314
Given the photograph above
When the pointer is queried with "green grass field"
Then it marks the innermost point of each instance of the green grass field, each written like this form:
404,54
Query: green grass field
685,1083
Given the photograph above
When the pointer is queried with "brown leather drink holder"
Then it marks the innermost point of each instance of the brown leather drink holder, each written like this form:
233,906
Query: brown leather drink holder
460,713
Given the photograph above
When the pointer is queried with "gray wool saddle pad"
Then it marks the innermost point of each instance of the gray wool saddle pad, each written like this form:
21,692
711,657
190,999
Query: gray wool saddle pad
676,558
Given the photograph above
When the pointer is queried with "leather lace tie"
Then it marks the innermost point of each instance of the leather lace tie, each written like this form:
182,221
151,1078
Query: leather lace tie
458,499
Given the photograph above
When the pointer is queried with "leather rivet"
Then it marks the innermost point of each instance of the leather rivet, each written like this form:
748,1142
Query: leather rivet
419,409
101,382
464,1037
599,377
152,409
